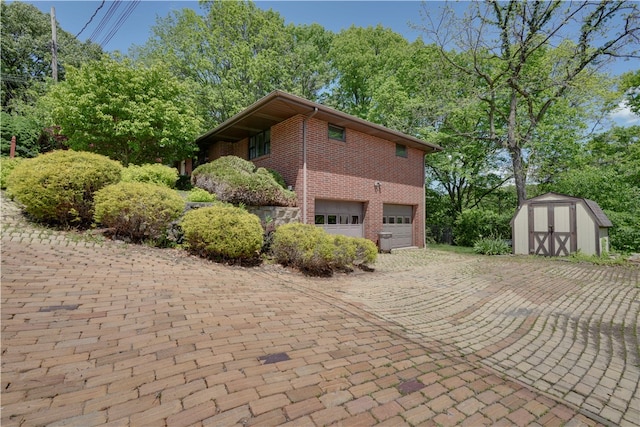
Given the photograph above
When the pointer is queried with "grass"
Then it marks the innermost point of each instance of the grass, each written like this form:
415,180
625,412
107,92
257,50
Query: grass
451,248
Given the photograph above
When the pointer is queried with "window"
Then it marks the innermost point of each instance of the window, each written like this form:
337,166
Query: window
319,219
344,219
332,219
355,219
336,132
260,144
401,150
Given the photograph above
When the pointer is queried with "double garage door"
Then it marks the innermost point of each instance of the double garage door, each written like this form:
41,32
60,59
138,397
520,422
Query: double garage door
339,217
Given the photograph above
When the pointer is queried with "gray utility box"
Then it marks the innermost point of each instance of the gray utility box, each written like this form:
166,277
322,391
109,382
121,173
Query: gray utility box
384,241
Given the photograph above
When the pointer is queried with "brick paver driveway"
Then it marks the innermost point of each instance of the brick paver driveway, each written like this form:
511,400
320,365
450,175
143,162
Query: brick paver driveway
100,333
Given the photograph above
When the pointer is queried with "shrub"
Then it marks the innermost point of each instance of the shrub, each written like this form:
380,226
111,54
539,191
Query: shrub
6,166
237,181
491,246
137,210
200,195
315,252
223,233
475,224
625,233
58,187
155,173
277,177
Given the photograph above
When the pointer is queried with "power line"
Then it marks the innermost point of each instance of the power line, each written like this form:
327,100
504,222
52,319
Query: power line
91,19
105,20
123,17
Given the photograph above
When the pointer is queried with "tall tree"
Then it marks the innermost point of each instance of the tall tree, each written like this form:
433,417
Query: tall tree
508,41
26,52
133,114
235,53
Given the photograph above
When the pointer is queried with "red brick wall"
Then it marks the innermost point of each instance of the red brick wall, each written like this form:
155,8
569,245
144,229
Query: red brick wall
344,170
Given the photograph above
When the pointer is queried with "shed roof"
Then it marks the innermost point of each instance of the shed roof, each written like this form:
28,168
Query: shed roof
279,106
596,212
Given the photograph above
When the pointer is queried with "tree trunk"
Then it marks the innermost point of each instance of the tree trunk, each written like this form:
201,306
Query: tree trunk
518,173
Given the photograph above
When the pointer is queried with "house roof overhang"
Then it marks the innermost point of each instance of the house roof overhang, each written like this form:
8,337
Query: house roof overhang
279,106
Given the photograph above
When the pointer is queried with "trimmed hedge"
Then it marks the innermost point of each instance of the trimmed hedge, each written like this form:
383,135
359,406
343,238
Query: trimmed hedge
223,233
237,181
200,195
137,210
155,173
318,253
58,187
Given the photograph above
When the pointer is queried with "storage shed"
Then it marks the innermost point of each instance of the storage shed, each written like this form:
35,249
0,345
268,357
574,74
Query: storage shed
558,225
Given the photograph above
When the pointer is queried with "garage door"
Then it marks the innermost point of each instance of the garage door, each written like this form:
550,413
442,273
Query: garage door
397,219
338,217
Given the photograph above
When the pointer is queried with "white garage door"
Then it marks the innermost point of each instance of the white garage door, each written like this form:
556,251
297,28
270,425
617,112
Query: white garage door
338,217
397,219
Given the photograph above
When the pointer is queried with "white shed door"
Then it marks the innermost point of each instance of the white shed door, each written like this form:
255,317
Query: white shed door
339,217
397,219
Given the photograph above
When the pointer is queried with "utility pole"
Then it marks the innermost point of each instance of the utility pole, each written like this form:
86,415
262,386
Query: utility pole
54,46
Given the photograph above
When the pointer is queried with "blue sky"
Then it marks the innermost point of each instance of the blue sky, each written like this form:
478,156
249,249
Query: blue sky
332,15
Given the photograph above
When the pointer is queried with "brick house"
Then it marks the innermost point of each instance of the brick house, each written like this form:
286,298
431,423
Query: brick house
351,176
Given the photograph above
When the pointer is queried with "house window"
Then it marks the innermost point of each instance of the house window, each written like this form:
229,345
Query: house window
319,219
401,150
260,144
336,132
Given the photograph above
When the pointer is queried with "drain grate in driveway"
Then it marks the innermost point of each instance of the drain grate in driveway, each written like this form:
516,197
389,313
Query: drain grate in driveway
274,358
59,307
410,386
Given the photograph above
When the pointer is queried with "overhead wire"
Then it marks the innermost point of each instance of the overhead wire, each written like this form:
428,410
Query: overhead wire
105,20
121,20
91,19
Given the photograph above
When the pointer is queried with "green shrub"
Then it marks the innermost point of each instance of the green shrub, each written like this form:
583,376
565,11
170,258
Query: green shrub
277,177
491,246
315,252
223,233
58,187
155,173
237,181
624,236
6,166
199,195
475,224
137,210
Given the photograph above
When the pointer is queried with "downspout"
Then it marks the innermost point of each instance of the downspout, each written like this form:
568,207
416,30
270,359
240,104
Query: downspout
424,201
304,164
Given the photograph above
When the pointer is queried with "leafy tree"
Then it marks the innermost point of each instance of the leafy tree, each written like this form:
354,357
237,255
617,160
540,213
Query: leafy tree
512,44
130,113
26,52
235,53
630,83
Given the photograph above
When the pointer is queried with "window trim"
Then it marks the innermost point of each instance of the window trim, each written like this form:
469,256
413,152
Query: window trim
337,128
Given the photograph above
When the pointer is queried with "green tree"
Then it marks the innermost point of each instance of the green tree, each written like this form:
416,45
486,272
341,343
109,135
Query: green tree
524,76
235,53
630,83
133,114
26,52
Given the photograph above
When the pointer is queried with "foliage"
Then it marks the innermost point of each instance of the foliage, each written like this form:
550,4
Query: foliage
277,177
315,252
7,165
475,224
133,114
624,236
199,195
521,75
234,53
27,131
58,187
491,246
630,83
26,52
223,233
237,181
137,210
154,173
604,259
